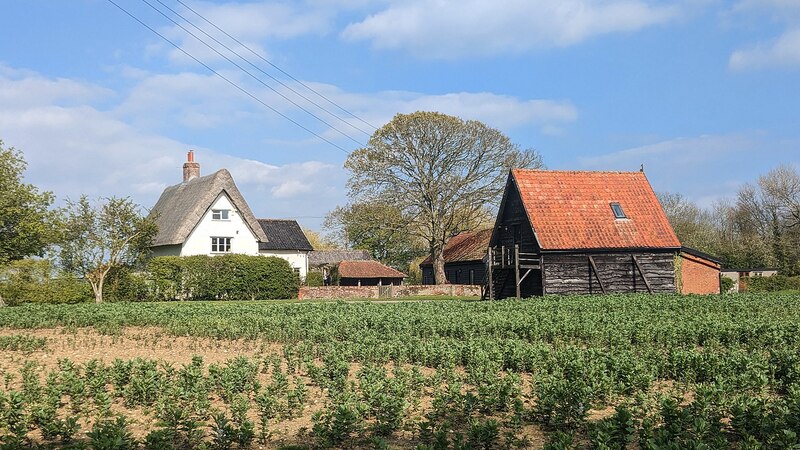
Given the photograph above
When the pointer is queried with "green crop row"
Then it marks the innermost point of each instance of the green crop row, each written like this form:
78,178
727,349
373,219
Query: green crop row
657,371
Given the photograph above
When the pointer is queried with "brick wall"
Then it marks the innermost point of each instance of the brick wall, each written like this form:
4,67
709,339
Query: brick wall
323,292
698,275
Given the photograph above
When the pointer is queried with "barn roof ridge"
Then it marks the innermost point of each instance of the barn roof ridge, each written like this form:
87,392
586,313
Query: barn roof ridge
573,210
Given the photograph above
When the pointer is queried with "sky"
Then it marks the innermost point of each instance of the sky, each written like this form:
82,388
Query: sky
705,94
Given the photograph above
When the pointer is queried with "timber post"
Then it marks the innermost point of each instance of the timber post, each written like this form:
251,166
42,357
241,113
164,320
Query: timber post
516,270
490,270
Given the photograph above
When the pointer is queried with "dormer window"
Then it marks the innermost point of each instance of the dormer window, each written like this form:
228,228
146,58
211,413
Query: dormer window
618,212
220,214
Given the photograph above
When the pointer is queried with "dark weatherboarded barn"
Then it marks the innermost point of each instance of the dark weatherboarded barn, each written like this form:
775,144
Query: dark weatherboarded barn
463,259
570,232
368,273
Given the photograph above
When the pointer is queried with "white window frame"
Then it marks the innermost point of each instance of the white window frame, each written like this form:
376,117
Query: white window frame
220,214
221,244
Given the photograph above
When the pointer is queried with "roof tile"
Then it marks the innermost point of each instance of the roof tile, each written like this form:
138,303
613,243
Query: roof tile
367,269
572,210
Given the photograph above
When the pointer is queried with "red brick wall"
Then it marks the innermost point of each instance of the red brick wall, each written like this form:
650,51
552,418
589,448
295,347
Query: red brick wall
698,276
456,290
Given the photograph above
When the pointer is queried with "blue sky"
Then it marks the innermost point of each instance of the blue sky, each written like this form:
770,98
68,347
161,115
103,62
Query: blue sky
704,93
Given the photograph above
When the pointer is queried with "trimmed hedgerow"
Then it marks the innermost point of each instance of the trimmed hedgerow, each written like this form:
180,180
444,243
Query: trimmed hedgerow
38,281
772,283
224,277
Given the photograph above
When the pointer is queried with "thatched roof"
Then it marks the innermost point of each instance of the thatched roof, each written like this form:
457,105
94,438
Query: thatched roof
283,235
327,257
180,207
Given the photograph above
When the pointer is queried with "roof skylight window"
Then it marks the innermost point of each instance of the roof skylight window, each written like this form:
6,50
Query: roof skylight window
618,212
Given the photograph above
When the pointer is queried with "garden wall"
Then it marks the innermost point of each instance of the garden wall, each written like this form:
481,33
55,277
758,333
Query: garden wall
453,290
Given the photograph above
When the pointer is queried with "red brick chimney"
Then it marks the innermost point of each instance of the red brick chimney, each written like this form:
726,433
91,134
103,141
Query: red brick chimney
191,169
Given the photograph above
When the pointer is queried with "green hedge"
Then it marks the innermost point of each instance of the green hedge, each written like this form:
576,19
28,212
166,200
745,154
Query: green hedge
773,283
37,281
314,279
225,277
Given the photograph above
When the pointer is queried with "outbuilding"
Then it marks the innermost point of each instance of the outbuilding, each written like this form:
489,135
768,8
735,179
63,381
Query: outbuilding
464,259
368,273
580,232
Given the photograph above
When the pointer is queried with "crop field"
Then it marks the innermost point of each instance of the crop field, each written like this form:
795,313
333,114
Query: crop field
636,371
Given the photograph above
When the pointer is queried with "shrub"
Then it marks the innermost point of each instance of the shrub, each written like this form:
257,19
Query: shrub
225,277
314,279
37,281
771,284
725,284
124,285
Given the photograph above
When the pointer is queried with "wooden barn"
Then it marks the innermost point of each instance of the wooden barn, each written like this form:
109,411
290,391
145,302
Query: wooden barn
463,259
571,232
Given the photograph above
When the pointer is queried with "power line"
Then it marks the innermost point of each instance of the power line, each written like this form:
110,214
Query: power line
275,66
250,74
241,89
299,94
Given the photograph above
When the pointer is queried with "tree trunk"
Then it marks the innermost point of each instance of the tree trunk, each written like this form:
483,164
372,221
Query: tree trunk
438,266
97,288
2,303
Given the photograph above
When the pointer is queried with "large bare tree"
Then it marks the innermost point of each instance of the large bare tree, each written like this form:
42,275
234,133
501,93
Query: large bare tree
443,174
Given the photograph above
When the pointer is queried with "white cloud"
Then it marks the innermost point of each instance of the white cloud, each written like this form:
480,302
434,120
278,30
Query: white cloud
451,29
705,168
26,87
79,149
250,23
782,52
748,6
498,111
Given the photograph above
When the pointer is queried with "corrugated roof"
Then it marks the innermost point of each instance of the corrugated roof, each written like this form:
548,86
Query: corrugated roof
367,269
181,207
283,235
323,257
468,246
572,210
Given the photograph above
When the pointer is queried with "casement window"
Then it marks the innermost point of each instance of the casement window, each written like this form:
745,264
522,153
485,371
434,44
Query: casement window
618,212
220,245
220,214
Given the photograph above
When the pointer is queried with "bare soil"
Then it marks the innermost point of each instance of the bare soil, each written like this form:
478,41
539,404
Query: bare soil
86,344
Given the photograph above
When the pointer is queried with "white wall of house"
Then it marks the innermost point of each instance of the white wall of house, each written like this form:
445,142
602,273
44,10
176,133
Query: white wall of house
298,259
242,239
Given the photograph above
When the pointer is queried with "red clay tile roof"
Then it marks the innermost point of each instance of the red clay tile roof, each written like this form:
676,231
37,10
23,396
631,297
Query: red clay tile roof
468,246
367,269
571,210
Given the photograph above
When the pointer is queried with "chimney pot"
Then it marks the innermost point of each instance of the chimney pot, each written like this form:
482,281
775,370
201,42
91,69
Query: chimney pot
191,169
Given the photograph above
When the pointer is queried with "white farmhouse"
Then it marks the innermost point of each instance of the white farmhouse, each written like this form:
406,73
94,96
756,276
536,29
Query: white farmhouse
209,216
287,241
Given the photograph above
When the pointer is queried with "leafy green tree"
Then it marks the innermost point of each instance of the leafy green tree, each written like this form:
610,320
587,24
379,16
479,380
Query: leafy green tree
319,242
379,228
440,172
27,225
99,238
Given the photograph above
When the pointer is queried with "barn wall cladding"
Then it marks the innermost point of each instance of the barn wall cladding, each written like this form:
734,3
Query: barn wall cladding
574,274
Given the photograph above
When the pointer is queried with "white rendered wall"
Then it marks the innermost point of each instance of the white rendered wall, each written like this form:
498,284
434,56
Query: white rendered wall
242,239
297,259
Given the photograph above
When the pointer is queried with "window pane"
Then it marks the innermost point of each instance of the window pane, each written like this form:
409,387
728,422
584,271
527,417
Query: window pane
617,209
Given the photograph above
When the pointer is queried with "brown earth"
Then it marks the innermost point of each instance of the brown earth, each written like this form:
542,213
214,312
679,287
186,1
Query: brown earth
85,344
